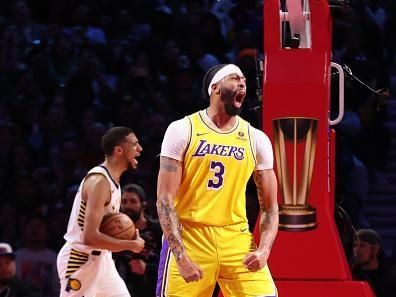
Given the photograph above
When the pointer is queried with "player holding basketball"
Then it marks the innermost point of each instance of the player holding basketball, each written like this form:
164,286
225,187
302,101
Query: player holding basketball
207,159
85,264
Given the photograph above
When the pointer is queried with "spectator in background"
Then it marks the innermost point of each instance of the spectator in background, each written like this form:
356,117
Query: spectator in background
91,153
7,146
9,218
10,284
25,195
360,50
84,19
58,216
352,181
61,60
21,32
211,36
369,263
35,262
140,270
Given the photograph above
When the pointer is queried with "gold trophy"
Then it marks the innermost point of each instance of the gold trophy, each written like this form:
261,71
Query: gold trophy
295,144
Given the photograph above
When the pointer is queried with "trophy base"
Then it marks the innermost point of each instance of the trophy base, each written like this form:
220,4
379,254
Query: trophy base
297,218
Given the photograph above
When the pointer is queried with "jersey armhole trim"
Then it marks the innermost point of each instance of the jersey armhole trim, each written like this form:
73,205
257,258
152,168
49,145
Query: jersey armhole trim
251,143
108,173
189,138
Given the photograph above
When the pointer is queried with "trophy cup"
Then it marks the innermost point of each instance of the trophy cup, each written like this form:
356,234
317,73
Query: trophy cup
295,144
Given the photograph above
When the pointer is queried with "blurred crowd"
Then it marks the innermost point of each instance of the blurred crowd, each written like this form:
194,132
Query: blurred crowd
70,69
364,44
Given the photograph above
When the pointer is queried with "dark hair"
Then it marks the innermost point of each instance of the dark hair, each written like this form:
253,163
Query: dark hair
113,137
367,235
208,78
135,188
35,216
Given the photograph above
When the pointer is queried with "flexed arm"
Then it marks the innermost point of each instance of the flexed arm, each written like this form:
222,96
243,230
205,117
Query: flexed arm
169,179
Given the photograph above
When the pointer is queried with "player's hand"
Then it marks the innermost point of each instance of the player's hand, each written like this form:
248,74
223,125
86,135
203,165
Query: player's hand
190,271
138,243
256,260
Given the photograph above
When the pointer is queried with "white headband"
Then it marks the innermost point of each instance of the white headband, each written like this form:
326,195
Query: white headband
223,72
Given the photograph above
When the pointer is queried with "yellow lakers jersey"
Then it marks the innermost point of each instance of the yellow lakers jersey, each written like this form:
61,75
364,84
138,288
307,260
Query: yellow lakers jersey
216,168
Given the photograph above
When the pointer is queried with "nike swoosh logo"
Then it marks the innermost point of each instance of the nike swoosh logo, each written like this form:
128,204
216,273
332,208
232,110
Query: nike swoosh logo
243,229
200,134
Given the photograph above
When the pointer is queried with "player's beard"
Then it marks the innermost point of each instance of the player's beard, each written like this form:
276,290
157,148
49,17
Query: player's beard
134,215
227,97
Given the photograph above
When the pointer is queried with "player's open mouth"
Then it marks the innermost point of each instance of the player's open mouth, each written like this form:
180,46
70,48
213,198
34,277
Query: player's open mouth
239,97
135,161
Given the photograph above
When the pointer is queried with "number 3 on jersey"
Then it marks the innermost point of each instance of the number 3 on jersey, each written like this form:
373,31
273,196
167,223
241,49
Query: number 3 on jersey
218,170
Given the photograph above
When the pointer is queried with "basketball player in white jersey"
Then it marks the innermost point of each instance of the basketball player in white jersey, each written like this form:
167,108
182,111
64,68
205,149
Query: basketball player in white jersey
85,264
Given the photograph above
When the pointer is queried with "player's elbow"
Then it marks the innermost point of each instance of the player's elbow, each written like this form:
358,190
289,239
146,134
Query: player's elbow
89,238
160,203
164,201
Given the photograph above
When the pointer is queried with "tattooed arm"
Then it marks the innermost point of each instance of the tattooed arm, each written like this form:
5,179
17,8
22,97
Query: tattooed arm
169,178
266,184
168,184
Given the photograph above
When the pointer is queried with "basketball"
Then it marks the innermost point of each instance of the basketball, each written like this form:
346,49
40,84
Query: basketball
118,225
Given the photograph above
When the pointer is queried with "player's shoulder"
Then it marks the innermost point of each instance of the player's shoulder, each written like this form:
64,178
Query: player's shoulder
258,133
96,177
179,123
183,125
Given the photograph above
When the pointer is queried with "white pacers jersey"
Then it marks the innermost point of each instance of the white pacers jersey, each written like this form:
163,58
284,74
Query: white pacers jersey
77,217
83,270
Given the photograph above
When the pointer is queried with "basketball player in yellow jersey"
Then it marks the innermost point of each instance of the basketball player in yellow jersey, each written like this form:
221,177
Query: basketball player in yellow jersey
207,159
85,264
